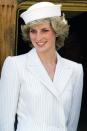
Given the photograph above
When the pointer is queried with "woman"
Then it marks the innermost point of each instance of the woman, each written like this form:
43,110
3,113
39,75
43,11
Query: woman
41,87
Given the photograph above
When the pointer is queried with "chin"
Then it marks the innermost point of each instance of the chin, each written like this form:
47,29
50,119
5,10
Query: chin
42,50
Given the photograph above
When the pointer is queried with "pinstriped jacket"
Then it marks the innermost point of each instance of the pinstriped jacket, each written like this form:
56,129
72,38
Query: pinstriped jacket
40,103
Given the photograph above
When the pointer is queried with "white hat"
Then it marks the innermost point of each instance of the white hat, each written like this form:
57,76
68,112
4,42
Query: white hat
41,10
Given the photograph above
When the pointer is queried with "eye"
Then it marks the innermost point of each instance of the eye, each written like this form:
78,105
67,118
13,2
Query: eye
45,30
32,31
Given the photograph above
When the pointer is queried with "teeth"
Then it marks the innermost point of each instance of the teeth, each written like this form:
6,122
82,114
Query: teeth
41,44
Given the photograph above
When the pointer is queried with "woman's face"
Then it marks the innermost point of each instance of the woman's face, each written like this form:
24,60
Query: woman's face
42,37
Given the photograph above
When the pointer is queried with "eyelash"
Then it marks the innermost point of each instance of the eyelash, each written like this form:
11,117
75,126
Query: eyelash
32,31
44,30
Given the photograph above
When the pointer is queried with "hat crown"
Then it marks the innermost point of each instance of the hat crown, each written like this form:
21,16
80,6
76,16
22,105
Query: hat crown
41,10
42,4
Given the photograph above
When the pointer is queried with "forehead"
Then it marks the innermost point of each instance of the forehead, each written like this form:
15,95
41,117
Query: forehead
40,25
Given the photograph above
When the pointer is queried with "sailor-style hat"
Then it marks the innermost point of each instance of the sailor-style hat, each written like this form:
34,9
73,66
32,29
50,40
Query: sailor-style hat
41,10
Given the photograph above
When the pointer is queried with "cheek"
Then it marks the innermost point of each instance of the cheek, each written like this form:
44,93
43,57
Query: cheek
52,37
32,37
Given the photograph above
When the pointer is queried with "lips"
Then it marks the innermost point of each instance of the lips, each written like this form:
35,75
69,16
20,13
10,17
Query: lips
41,44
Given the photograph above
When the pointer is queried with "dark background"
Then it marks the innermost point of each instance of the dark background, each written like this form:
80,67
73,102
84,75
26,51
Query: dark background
76,49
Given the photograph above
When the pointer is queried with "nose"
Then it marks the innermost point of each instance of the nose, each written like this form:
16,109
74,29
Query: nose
38,36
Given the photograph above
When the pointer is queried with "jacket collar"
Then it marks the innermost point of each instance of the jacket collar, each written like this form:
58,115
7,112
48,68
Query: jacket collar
61,77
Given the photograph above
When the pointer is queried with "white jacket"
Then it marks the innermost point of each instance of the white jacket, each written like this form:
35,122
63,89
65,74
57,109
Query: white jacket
41,104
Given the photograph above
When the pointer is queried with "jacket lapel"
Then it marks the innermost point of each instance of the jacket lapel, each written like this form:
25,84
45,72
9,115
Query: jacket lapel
35,66
62,74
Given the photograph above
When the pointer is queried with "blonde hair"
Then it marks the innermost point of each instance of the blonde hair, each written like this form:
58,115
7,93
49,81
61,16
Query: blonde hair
59,25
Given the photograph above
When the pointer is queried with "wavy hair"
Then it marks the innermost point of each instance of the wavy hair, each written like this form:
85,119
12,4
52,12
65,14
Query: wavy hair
59,25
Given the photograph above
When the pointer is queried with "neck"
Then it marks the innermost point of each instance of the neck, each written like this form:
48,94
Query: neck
48,58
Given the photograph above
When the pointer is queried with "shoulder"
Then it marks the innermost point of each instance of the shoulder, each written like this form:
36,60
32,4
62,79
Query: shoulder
77,68
14,60
12,63
71,63
18,60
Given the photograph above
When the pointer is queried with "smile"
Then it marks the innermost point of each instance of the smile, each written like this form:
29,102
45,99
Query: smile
41,44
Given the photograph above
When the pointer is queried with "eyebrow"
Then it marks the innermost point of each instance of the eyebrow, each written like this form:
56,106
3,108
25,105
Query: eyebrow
44,28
